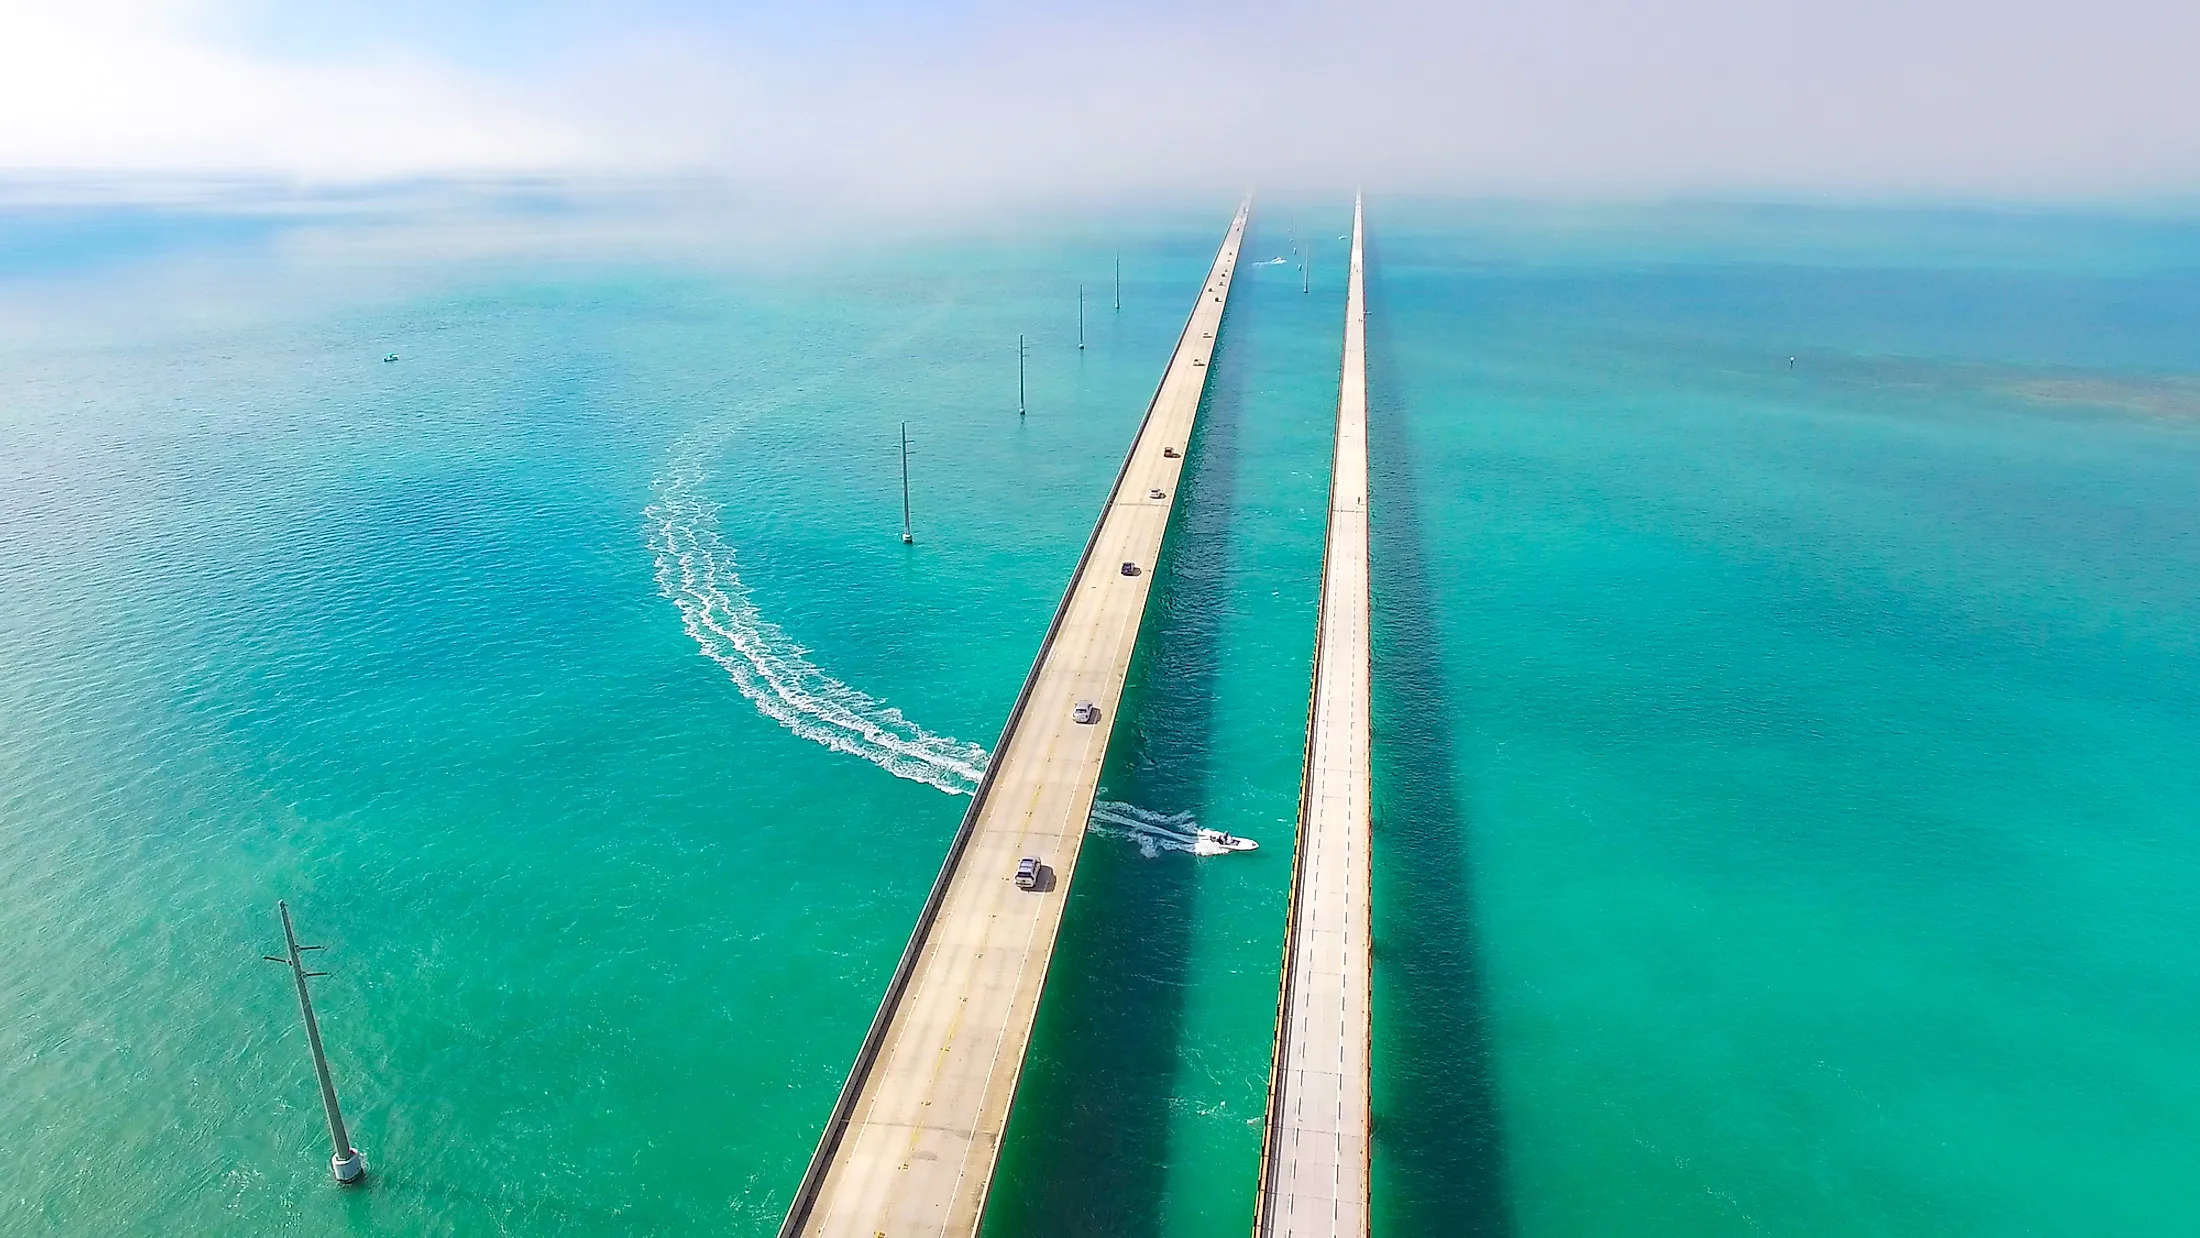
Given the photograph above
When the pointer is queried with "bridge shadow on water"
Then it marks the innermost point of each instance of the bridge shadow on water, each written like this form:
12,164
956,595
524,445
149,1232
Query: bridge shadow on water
1439,1134
1087,1148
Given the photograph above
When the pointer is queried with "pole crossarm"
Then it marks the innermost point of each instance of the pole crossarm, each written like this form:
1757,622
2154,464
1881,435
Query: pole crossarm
345,1161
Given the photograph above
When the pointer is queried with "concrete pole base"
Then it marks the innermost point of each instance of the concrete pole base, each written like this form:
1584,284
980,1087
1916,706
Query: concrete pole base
348,1169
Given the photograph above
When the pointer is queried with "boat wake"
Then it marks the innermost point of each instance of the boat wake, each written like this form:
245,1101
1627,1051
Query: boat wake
696,573
1155,832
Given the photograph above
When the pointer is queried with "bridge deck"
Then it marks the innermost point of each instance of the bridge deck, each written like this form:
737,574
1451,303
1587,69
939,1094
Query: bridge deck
1314,1159
911,1145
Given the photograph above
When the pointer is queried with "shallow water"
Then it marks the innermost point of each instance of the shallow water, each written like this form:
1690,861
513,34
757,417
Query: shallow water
1793,759
1785,820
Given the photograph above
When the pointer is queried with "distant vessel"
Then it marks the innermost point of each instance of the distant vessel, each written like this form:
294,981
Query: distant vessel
391,357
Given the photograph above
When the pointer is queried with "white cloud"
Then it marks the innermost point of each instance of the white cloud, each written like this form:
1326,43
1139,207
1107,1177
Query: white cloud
135,85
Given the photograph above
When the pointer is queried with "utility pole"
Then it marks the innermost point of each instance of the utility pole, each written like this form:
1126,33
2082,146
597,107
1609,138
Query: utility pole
1080,318
344,1161
906,536
1019,374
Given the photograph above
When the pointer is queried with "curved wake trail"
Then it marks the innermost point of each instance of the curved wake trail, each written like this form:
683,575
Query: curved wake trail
696,573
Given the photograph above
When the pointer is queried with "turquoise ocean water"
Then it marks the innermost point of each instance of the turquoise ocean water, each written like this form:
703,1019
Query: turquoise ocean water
1787,817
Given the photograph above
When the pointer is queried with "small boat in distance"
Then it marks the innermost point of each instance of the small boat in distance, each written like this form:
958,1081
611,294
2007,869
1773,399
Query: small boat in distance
391,357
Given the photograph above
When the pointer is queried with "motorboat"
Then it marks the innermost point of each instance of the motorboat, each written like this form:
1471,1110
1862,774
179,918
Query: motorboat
1227,841
391,357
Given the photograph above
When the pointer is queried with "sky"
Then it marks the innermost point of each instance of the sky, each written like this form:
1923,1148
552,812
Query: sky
962,100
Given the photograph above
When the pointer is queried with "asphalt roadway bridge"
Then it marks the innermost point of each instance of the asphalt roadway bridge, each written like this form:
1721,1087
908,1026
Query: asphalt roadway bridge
910,1147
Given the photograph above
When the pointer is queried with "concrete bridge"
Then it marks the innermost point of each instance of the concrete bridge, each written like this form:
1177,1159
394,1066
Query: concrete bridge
909,1149
1314,1158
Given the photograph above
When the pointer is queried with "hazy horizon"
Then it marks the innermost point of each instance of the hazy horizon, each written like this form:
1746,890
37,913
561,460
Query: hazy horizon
975,103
